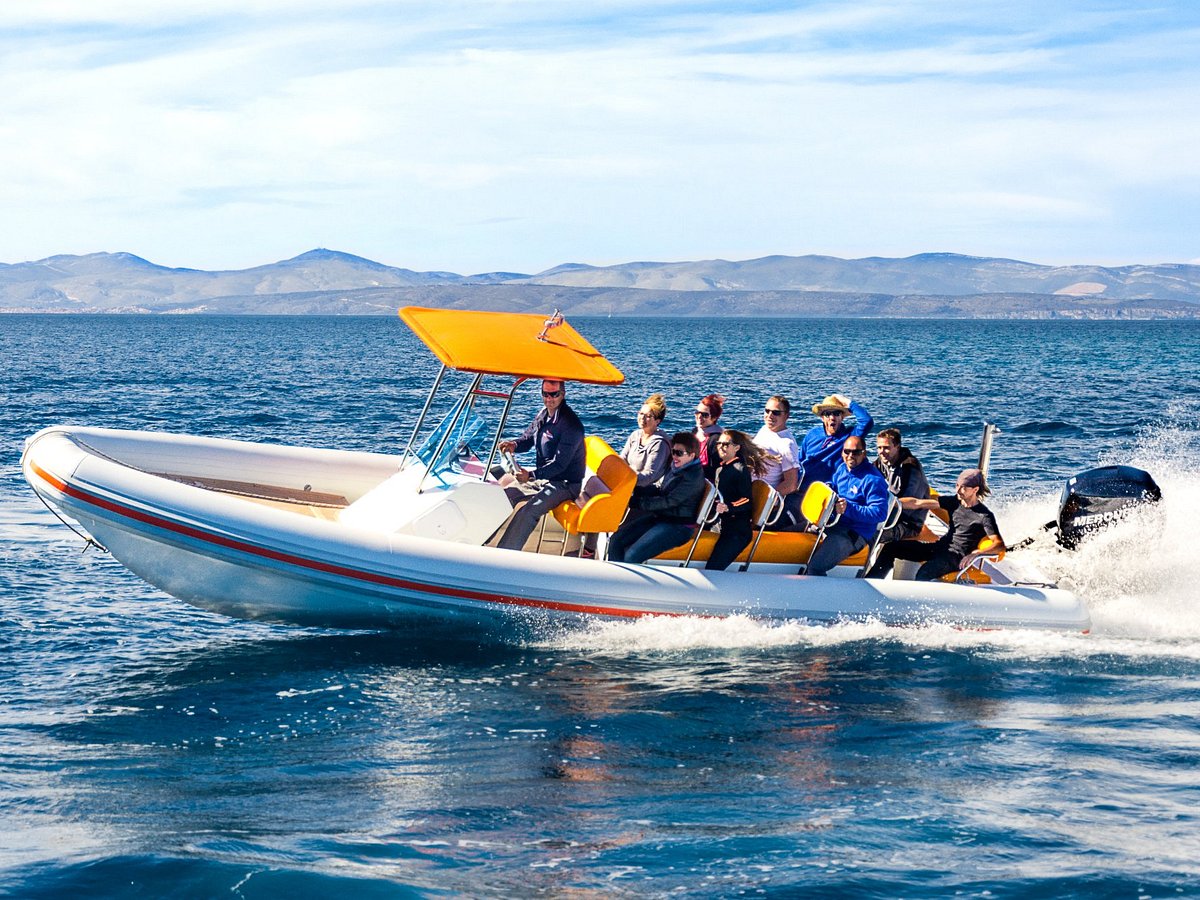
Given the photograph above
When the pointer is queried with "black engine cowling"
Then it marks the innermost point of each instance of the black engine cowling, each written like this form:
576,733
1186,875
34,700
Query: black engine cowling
1093,499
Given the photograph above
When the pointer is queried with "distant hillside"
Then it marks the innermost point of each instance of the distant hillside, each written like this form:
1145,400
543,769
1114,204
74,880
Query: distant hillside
928,273
714,304
116,281
330,282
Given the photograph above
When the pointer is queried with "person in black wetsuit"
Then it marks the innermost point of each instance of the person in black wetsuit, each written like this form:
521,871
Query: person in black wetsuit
740,459
970,522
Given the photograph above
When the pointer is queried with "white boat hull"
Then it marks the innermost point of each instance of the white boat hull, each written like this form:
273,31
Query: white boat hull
238,558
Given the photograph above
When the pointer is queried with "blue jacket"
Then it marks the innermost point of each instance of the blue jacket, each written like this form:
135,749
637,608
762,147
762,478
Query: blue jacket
866,494
821,453
561,455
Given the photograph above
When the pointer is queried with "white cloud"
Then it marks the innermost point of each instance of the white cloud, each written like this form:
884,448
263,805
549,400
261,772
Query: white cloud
230,134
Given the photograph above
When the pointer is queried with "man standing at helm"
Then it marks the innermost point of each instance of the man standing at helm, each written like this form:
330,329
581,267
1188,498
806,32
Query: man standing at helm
821,448
557,435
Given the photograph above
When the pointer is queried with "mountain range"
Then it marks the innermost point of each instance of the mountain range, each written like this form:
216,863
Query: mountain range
331,282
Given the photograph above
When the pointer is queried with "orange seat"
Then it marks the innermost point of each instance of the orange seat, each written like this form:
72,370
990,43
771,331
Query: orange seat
974,572
766,505
608,484
784,547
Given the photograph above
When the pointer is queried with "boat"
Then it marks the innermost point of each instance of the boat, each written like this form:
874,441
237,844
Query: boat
352,539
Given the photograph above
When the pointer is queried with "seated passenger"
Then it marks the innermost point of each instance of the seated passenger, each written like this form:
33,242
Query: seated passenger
708,410
557,435
669,509
647,452
782,457
862,503
905,478
821,447
740,460
970,523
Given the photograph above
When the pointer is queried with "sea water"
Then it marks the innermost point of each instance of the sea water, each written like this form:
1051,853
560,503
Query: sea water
148,749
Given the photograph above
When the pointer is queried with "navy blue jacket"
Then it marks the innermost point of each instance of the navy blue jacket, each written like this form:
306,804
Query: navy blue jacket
561,455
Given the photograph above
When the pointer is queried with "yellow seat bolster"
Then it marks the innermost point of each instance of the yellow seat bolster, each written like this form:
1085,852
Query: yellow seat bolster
976,575
601,512
815,499
789,547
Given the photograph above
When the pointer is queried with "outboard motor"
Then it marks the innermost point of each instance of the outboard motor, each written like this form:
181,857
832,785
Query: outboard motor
1093,499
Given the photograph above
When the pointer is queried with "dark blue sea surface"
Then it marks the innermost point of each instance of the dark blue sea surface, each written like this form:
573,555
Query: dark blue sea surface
148,749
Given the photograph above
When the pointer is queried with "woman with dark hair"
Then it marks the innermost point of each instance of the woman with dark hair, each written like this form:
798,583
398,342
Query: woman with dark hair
740,460
668,510
708,410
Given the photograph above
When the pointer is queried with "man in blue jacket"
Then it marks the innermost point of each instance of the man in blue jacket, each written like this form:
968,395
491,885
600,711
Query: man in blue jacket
862,503
821,447
557,435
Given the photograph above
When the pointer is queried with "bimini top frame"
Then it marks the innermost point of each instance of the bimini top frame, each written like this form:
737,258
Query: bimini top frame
517,345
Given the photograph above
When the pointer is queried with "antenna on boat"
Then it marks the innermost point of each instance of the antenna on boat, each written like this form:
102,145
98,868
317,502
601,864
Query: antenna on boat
990,430
554,321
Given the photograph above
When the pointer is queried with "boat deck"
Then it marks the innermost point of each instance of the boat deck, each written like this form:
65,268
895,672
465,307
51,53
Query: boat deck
303,501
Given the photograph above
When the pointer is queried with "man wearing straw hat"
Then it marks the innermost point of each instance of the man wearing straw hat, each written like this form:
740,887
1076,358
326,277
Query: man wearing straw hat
821,448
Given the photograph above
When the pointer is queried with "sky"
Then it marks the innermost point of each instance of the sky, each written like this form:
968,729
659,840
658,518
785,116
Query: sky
516,135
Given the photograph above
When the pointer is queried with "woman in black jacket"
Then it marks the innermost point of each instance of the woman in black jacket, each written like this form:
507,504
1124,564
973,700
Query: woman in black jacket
740,459
669,511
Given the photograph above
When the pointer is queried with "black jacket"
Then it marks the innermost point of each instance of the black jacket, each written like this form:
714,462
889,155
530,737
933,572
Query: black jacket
906,479
734,485
676,499
561,455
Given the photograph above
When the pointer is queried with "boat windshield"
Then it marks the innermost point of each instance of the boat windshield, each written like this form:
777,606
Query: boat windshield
458,435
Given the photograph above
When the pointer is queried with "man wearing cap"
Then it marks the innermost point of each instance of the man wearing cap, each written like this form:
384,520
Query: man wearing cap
970,523
821,448
862,503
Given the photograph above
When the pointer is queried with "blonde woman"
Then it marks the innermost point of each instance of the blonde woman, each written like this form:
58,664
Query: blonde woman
648,452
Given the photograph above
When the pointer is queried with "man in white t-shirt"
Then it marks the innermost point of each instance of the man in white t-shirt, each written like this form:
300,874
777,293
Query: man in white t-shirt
783,467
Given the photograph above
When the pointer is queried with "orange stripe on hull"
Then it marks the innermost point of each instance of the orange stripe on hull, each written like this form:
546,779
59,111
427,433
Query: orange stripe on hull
342,571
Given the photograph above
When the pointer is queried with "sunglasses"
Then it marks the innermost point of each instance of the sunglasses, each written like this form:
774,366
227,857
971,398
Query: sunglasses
551,394
832,412
724,443
772,412
678,452
847,451
704,415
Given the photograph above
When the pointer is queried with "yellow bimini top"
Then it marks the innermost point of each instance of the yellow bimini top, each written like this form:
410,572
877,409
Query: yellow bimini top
497,343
